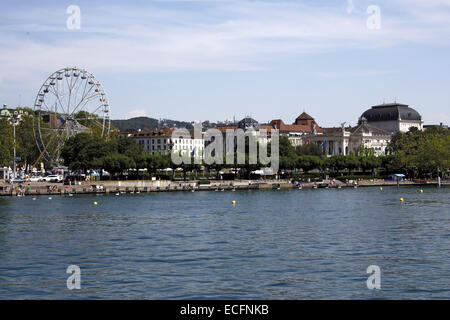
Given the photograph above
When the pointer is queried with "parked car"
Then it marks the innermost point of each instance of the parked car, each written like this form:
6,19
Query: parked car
35,179
53,178
16,180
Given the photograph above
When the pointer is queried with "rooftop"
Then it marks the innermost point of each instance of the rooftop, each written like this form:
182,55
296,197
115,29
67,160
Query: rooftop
391,112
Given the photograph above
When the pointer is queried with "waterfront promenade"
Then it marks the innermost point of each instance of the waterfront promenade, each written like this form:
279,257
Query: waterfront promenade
143,186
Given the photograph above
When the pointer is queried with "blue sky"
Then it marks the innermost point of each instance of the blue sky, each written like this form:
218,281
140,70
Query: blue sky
215,59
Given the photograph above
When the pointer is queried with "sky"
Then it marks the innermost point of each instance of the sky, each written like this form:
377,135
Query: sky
218,59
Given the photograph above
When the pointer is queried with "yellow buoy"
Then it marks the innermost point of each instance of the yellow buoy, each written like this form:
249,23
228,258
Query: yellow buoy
401,199
233,202
421,191
96,203
381,188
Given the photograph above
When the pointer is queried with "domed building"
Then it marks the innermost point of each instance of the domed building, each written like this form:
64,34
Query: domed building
248,123
393,117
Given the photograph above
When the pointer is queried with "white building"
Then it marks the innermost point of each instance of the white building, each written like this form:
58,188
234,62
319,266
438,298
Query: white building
343,140
161,141
393,117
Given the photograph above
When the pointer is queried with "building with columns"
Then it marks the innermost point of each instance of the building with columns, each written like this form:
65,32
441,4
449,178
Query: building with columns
343,140
374,130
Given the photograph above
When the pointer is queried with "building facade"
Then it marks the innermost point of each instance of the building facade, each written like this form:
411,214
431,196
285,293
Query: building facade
162,141
343,140
250,127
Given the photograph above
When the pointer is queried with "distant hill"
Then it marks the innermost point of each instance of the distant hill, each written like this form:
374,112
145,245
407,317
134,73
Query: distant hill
148,123
151,123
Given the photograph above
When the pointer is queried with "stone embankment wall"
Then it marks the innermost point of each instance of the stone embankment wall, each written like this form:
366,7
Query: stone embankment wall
115,187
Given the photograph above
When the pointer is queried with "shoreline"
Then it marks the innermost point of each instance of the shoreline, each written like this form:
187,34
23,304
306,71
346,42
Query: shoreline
139,186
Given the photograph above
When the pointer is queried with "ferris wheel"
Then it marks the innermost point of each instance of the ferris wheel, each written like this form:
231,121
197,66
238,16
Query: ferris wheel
70,101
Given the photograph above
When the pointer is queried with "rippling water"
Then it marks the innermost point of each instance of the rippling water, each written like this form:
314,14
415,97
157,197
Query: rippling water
293,244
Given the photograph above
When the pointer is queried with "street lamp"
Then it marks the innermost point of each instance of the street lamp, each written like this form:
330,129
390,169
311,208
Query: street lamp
14,119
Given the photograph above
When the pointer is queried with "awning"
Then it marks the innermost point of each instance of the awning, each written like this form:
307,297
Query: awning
399,175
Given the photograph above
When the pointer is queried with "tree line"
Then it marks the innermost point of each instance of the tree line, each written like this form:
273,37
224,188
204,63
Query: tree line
415,153
26,147
120,153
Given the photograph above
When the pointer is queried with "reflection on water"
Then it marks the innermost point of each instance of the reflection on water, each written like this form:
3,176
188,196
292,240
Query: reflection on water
294,244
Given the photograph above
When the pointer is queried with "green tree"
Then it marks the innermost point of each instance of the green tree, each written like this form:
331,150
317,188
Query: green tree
419,153
370,163
6,143
285,147
157,161
82,151
309,162
310,149
116,163
336,163
26,146
351,162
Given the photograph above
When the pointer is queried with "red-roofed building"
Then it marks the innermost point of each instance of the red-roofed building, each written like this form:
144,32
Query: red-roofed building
304,124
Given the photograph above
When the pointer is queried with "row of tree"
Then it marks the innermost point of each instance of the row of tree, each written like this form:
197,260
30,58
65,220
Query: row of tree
26,147
311,157
85,151
420,153
416,153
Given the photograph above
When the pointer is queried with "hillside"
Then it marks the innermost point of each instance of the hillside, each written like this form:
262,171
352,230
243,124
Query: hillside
151,123
148,123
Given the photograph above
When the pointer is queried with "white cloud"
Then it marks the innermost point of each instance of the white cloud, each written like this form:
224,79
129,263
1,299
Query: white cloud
223,35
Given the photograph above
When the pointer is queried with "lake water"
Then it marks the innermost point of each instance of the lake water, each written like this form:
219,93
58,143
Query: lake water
281,244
